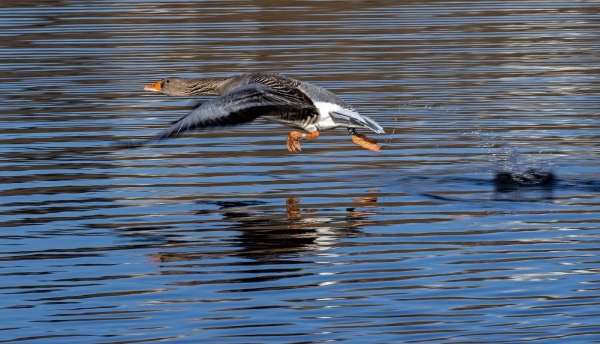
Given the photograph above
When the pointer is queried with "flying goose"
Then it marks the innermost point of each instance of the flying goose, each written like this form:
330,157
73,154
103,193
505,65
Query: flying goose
272,96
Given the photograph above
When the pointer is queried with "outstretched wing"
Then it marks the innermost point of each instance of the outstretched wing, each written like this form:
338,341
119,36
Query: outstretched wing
240,106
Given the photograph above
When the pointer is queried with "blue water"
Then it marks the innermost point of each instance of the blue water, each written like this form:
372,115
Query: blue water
226,237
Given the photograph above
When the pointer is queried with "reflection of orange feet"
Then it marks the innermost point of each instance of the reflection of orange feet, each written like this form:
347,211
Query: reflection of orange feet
365,200
154,258
293,140
293,208
366,142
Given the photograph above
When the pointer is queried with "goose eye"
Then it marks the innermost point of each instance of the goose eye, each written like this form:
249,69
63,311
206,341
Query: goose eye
167,81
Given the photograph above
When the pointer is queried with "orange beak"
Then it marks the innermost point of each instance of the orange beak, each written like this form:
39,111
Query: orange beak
154,87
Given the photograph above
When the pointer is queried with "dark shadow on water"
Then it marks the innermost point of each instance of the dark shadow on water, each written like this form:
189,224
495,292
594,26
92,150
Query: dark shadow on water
504,189
509,181
519,178
515,178
530,186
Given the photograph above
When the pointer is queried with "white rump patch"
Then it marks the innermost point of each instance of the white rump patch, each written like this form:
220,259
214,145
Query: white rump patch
333,115
326,122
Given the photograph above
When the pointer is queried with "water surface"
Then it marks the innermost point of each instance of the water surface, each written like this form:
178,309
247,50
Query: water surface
226,237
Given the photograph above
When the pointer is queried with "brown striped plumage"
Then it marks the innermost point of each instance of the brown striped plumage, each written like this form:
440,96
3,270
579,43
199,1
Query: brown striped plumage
272,96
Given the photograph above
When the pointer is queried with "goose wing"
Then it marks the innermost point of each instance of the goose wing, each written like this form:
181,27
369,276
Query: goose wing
239,106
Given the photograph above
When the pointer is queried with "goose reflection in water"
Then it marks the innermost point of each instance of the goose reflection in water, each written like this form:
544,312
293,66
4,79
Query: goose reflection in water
264,235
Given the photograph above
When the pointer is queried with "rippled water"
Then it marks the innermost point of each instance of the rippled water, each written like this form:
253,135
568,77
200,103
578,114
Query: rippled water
226,237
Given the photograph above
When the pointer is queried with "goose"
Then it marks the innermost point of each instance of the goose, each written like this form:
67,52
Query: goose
245,97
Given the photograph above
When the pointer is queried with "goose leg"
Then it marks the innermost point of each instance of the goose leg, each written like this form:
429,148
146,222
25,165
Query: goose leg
364,141
293,140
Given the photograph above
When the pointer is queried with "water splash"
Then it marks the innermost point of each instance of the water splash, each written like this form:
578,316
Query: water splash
514,169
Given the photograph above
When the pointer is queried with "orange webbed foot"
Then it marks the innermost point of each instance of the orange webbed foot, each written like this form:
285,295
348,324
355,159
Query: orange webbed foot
293,144
366,142
293,140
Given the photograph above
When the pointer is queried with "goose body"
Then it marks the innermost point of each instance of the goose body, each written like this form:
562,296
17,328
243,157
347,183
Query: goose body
243,98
